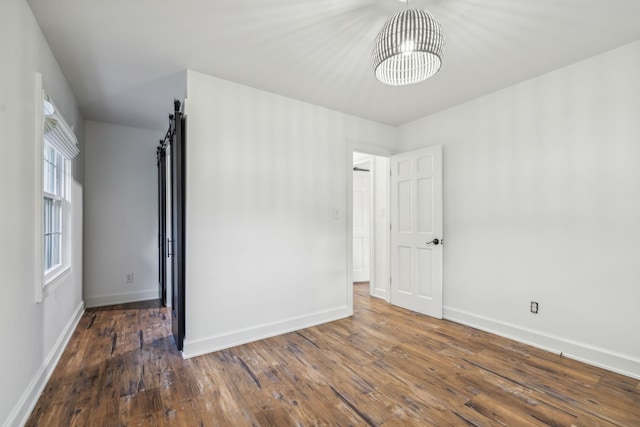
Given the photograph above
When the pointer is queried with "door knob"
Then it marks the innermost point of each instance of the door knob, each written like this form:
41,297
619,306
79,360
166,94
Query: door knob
434,242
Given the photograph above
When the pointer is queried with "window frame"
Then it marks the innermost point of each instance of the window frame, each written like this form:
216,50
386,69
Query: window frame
64,141
61,196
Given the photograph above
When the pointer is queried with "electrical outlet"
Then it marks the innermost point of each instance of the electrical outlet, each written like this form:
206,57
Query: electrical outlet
534,307
130,278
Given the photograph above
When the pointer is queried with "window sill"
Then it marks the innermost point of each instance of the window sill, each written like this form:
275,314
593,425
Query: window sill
54,280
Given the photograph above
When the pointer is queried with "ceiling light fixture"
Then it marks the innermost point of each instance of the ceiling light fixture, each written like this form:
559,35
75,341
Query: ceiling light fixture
408,48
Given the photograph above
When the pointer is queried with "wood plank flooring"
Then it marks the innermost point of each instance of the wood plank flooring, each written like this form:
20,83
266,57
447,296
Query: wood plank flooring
384,366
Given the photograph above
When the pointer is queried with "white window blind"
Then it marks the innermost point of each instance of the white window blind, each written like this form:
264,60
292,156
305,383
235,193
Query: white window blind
59,134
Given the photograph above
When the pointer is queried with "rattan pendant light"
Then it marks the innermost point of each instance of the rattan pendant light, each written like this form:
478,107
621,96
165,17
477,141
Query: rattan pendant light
408,48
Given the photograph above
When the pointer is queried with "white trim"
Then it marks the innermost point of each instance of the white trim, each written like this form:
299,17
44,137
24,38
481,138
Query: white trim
349,218
596,356
55,280
243,336
387,235
373,256
54,273
39,200
28,400
367,148
122,298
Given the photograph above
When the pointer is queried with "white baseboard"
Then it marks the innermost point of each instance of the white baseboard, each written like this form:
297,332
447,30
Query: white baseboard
123,298
380,294
29,398
220,342
600,357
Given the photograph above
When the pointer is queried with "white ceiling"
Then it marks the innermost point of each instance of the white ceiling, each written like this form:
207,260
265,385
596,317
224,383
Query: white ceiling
123,58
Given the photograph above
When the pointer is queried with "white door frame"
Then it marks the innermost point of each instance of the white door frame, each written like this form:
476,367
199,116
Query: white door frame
369,163
364,148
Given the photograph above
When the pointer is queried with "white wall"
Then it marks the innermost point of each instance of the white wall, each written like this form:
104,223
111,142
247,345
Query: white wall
34,335
121,219
264,175
542,203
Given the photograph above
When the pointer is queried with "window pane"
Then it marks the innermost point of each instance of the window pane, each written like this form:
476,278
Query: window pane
48,153
47,252
52,216
55,257
59,171
49,177
52,233
56,216
53,173
48,206
52,250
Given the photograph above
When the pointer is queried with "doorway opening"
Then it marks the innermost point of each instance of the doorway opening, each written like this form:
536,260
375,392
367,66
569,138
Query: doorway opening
370,223
402,252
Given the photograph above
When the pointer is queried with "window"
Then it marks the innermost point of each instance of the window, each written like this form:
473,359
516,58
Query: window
55,210
57,146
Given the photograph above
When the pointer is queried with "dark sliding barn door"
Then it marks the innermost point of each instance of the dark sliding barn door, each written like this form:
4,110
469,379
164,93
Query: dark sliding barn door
177,225
171,245
162,222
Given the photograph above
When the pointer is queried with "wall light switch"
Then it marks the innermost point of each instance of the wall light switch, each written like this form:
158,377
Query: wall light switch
336,213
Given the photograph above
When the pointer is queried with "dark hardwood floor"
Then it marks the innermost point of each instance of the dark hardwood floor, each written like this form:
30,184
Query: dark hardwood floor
383,366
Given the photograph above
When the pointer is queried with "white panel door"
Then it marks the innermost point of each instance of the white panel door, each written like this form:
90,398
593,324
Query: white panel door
361,226
416,231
